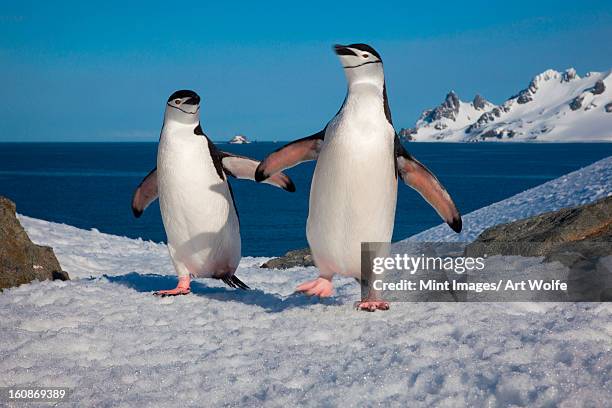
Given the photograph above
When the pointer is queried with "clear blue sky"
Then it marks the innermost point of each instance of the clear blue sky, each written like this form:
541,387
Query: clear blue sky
71,71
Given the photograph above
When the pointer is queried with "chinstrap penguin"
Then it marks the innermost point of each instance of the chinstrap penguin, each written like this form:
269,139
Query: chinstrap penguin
195,198
354,187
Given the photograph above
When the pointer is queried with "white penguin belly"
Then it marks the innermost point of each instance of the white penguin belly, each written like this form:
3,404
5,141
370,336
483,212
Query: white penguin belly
197,209
352,197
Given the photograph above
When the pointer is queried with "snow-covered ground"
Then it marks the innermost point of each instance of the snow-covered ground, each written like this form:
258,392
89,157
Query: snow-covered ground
556,106
105,336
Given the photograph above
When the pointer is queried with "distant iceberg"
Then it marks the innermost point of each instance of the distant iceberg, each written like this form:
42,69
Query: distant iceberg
239,139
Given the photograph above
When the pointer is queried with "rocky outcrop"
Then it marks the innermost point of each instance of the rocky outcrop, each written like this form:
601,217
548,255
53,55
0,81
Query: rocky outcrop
584,230
497,133
609,107
479,102
22,261
578,240
527,95
298,257
486,118
599,88
576,103
448,109
569,74
406,133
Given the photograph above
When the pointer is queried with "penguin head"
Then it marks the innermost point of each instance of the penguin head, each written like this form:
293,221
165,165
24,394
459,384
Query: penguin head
361,63
183,106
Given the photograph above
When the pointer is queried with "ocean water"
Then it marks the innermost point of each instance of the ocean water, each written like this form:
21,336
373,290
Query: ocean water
90,185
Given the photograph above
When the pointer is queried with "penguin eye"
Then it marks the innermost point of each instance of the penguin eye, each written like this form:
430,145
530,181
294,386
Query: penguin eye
365,55
177,101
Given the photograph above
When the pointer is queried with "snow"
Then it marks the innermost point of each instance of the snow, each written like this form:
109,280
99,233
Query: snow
547,116
450,128
105,336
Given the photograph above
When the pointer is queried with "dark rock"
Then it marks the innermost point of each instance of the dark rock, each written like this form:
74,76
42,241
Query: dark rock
526,95
479,102
599,88
609,107
425,114
448,109
298,257
440,126
585,231
524,98
22,261
578,238
569,75
576,103
406,133
498,133
545,129
490,134
486,118
606,295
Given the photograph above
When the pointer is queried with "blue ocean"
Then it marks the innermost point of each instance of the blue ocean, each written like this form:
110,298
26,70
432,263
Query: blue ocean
90,185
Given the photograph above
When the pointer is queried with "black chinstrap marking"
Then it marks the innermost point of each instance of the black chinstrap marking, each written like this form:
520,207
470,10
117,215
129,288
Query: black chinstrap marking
365,63
188,113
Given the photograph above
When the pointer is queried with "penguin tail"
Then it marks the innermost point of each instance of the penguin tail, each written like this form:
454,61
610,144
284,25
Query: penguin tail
234,282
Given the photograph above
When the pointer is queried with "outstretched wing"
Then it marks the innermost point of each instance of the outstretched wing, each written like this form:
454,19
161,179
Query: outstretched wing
422,180
290,155
244,168
145,193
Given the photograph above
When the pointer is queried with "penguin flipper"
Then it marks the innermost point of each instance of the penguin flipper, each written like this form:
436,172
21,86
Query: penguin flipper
244,168
290,155
422,180
145,193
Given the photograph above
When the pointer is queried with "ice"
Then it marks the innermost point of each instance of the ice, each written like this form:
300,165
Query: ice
114,344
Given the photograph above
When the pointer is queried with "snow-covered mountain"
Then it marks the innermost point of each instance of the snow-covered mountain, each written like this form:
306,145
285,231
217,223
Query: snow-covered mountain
554,107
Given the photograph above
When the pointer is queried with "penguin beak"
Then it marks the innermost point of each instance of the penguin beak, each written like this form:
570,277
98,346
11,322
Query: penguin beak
193,100
343,50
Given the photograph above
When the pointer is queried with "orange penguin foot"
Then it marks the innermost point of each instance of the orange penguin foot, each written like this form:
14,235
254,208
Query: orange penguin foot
319,287
371,306
183,288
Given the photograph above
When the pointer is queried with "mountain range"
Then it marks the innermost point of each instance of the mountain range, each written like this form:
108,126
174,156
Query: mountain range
556,106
